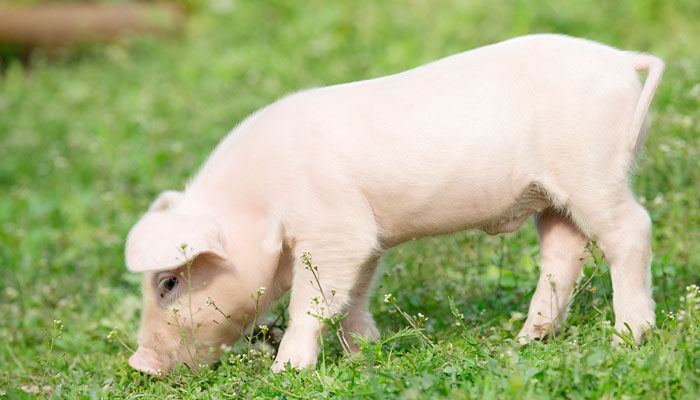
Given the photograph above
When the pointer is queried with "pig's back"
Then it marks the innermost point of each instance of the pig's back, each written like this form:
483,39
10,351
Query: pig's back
452,144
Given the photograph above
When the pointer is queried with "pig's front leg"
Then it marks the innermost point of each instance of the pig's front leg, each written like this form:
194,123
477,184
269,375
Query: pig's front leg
359,320
300,345
341,270
562,248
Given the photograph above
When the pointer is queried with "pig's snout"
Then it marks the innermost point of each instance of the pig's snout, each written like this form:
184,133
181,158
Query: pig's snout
147,360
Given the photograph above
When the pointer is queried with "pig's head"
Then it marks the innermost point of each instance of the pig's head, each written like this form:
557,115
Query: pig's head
187,275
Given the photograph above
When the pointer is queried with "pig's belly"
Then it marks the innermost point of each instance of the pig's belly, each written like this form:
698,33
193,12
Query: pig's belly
493,210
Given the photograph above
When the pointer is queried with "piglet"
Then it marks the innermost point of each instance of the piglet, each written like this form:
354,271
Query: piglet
544,125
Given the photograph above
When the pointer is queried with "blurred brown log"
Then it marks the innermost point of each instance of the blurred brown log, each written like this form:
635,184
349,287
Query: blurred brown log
61,24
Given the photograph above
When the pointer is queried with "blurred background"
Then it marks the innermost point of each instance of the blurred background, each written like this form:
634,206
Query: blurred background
104,104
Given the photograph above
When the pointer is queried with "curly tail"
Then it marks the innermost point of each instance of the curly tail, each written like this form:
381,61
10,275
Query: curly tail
655,66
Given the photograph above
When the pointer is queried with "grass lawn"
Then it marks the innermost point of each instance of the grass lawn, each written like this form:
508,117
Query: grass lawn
90,137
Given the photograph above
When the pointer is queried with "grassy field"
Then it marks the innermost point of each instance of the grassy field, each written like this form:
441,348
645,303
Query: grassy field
89,137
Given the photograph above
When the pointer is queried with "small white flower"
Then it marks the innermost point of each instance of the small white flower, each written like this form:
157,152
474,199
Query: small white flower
686,122
261,290
388,298
226,348
659,199
517,316
57,325
695,91
11,293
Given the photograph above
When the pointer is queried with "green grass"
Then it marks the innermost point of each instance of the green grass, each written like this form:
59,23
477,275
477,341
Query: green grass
89,137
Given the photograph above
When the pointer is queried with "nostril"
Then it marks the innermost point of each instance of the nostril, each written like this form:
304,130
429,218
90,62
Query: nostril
146,360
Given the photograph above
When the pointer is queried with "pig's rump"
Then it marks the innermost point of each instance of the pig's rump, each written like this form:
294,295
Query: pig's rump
481,139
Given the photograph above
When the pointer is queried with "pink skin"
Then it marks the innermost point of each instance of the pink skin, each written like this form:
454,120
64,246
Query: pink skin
146,360
161,345
544,125
214,282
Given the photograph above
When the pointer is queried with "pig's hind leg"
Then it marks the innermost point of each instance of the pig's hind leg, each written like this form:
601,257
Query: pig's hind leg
562,248
622,229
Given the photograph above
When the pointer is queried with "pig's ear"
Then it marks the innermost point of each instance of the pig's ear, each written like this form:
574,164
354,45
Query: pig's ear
166,200
164,240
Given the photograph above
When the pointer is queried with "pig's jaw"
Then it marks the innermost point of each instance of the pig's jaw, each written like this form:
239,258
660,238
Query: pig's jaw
147,360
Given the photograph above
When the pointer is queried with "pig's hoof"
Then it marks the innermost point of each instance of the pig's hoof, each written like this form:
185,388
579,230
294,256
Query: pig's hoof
523,340
298,360
637,335
531,332
279,366
369,332
296,355
617,343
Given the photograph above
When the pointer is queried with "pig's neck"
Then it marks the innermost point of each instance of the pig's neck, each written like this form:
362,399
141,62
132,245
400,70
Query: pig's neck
230,190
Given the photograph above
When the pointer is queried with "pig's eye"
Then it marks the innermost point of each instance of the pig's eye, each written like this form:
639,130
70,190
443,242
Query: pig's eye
170,283
167,285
